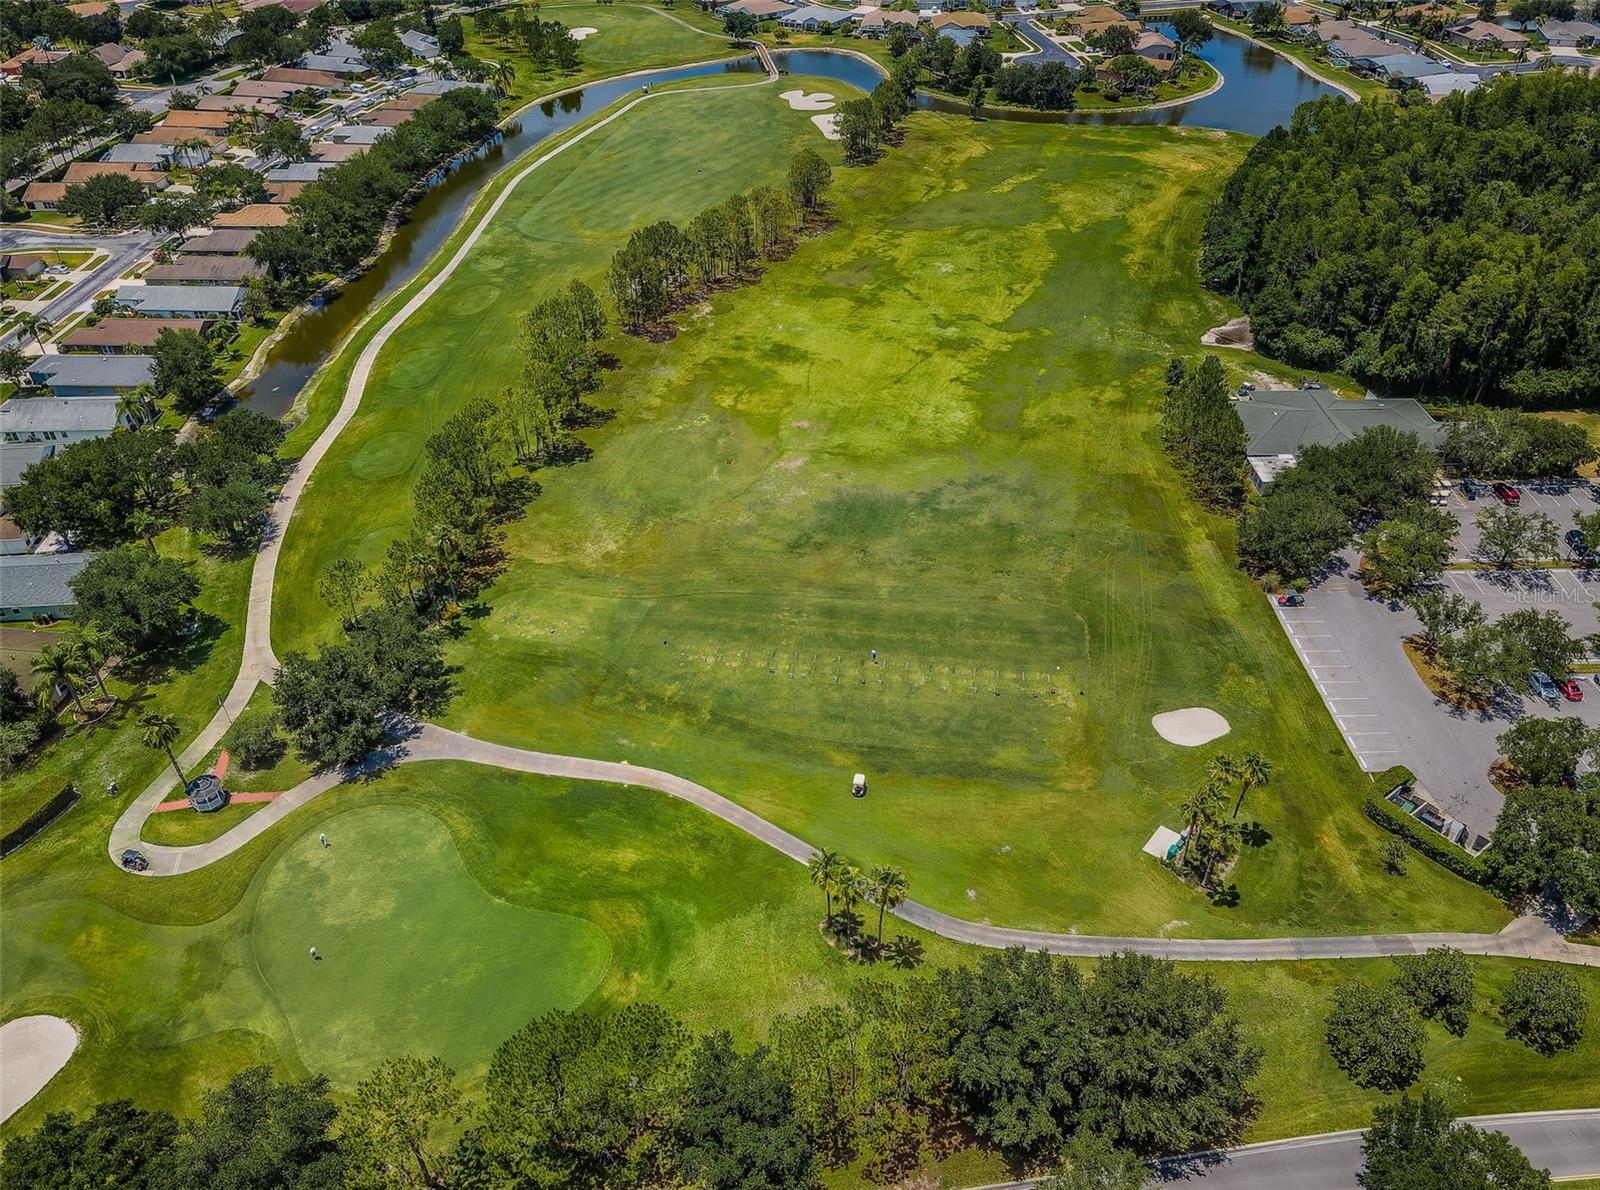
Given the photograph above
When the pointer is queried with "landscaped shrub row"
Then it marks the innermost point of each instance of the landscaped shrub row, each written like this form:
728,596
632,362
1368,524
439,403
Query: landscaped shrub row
39,819
1432,845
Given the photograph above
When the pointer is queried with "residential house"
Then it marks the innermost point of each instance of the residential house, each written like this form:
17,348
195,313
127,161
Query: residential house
355,134
256,214
387,115
282,192
230,242
90,9
255,105
36,586
181,301
336,151
197,121
1571,34
15,458
412,100
1485,36
1350,44
32,56
1299,21
261,89
112,336
205,270
21,266
445,86
82,375
320,79
1280,423
881,22
812,17
158,135
1097,18
976,22
157,156
299,171
1404,68
47,196
762,10
1238,9
420,44
45,419
1437,86
122,61
1161,52
341,68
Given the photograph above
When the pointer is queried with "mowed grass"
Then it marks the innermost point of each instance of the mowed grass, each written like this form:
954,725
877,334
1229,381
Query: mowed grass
452,904
930,433
626,37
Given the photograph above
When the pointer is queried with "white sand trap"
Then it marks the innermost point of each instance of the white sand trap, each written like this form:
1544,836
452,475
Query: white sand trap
581,32
829,126
33,1049
1190,727
1161,842
799,101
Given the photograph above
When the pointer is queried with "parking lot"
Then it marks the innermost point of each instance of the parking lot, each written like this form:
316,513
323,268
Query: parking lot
1559,499
1573,593
1351,646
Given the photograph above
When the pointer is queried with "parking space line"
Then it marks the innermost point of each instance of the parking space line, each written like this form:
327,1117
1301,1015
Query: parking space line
1356,733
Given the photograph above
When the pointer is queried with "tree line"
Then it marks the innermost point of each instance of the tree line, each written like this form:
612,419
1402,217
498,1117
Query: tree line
1037,1059
549,45
1418,249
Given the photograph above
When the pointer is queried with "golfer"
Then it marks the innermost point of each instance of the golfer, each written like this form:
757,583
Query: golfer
314,953
323,838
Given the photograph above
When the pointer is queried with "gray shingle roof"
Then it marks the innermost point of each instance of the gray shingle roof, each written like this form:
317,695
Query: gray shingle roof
40,580
299,171
79,369
445,86
1282,422
79,415
17,457
196,299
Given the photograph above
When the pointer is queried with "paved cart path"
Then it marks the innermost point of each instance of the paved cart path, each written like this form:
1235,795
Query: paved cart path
1527,937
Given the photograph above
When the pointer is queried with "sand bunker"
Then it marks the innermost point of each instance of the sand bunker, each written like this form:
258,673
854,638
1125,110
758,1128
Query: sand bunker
581,32
1231,334
32,1050
817,101
829,126
1190,727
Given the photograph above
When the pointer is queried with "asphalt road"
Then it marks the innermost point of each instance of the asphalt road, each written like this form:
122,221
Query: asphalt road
1567,1143
1048,50
125,250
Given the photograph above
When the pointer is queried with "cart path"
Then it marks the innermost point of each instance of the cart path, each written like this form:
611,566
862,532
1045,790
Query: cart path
1526,937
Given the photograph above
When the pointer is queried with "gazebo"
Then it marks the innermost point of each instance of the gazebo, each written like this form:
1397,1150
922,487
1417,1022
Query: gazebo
206,794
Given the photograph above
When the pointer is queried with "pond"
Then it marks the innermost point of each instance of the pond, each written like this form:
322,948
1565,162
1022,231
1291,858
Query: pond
1260,91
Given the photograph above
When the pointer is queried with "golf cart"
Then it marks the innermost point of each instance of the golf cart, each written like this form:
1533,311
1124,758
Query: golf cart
134,861
858,787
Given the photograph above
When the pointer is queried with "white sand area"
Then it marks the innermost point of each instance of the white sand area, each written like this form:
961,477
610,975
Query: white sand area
33,1049
581,32
828,125
817,101
1190,727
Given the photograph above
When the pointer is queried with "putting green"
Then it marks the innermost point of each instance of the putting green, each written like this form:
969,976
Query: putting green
415,955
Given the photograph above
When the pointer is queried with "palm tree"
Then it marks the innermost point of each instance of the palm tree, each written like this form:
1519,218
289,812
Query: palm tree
36,325
1254,772
189,149
145,523
502,75
1200,810
97,646
1222,770
848,886
889,889
824,868
137,405
157,732
60,665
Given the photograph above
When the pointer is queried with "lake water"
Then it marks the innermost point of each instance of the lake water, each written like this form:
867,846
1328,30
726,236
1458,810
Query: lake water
1261,90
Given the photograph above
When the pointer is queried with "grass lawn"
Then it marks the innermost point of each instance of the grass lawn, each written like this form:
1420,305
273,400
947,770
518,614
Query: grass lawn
1312,58
1202,78
923,434
627,37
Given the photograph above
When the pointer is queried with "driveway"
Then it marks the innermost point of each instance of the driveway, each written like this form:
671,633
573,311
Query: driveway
125,250
1048,50
1350,644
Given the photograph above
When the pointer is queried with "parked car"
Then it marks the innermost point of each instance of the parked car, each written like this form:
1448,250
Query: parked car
1470,489
1570,690
1291,599
1508,494
1311,385
134,861
1578,544
1542,686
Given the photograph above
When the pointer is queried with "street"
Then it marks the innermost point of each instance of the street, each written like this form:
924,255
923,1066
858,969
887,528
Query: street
125,251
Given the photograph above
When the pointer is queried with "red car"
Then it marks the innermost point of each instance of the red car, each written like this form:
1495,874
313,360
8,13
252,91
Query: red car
1508,494
1570,690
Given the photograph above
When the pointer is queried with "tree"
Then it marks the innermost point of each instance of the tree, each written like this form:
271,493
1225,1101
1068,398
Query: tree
1020,1026
186,369
1116,41
1415,1145
381,46
1439,985
105,200
976,97
257,1132
35,326
282,137
1545,1009
1401,556
265,36
451,36
809,179
581,1100
824,866
1585,525
175,215
1267,19
1548,836
257,742
739,26
1147,1020
1191,29
159,732
740,1129
1254,772
90,492
1549,751
114,1144
343,586
62,667
1374,1036
889,889
1295,529
1203,433
13,364
138,599
858,128
393,1130
1091,1162
1506,536
1444,613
